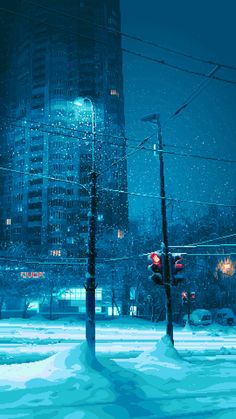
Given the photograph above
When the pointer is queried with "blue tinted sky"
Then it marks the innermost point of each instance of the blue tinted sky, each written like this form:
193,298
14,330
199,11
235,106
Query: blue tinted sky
206,29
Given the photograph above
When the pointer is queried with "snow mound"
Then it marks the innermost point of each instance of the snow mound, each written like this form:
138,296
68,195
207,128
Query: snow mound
165,350
71,362
72,358
163,357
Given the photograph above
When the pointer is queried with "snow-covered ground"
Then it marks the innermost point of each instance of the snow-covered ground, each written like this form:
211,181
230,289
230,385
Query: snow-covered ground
138,374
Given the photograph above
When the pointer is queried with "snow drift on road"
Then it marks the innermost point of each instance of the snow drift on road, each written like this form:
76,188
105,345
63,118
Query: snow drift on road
158,383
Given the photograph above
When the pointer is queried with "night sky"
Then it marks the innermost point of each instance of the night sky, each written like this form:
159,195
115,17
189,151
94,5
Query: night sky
205,29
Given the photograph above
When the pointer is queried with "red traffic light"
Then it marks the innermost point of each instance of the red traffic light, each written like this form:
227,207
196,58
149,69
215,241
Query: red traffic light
178,261
193,295
184,295
155,258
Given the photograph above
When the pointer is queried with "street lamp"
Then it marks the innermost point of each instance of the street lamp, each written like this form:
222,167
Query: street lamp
155,119
92,216
227,267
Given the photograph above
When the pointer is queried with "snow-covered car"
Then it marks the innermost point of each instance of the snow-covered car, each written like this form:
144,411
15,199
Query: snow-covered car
225,316
199,317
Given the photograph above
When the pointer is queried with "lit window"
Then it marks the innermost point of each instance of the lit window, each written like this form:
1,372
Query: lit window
133,310
100,217
98,294
55,252
74,294
132,293
82,309
116,311
79,294
114,92
98,309
8,221
120,234
34,305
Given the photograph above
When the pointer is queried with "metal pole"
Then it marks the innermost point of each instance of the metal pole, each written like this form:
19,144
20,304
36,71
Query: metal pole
165,249
189,306
90,283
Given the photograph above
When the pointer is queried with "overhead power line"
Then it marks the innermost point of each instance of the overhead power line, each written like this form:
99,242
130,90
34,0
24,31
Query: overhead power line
138,194
37,176
143,195
210,254
197,156
136,149
126,50
140,146
196,92
203,245
133,37
214,239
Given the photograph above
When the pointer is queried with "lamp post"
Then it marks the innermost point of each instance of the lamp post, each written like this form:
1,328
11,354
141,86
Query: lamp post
155,118
92,216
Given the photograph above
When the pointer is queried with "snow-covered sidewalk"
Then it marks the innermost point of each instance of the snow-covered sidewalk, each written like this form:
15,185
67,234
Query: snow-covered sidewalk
156,384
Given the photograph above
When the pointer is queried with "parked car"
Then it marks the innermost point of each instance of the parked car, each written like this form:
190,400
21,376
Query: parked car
225,316
199,317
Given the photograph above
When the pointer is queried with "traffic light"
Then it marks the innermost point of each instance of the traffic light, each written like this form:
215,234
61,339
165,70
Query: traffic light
156,267
192,297
184,296
176,268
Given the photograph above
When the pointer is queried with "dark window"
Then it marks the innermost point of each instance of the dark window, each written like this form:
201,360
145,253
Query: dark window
33,194
36,182
35,218
35,205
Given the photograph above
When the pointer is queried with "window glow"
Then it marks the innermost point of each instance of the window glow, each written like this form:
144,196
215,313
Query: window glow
8,221
98,309
133,310
79,294
55,252
115,311
132,293
114,92
34,305
120,234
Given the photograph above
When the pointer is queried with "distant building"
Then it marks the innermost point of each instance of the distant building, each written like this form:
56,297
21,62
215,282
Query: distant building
58,51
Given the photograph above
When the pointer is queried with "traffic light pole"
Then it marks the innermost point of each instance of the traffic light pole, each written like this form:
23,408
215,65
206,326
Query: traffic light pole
166,273
189,307
155,118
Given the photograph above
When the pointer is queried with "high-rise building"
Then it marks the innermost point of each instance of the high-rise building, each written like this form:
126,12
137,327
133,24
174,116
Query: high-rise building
57,52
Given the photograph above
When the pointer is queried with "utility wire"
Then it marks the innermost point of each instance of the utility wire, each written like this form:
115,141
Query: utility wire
69,262
138,148
58,134
204,245
168,199
194,94
60,127
135,38
215,238
198,156
37,176
138,194
128,51
210,254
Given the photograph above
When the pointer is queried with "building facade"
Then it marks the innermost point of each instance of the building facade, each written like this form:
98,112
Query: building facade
57,53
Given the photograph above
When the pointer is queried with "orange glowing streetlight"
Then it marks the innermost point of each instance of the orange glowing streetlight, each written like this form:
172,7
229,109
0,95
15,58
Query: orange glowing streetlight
226,266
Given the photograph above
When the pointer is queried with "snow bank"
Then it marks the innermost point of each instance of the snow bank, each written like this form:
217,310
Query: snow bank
65,364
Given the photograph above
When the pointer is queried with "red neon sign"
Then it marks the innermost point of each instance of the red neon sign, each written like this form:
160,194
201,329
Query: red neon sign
32,274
